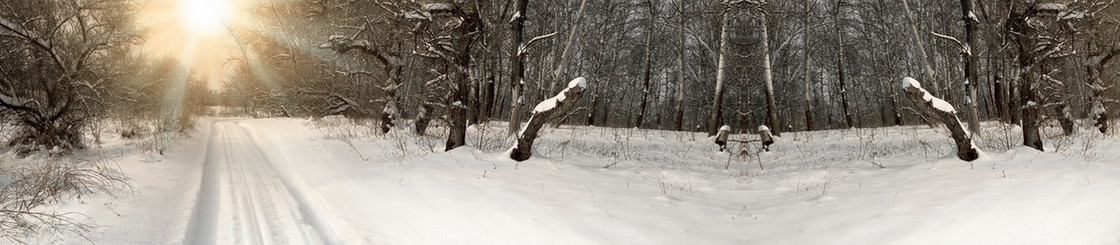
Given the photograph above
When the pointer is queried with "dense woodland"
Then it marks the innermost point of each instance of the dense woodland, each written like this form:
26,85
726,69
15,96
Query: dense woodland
657,64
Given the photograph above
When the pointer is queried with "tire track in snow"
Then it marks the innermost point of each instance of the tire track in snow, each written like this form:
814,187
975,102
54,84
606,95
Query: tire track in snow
203,220
242,198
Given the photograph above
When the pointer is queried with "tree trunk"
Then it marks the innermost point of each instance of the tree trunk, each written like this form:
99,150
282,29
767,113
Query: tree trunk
1015,102
896,114
716,118
768,77
544,112
942,111
1095,62
1030,109
517,71
1000,90
840,66
1028,80
921,46
972,62
807,67
461,80
573,32
423,118
485,98
678,119
648,67
1065,119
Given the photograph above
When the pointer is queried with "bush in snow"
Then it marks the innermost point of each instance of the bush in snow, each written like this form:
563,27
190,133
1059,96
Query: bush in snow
25,188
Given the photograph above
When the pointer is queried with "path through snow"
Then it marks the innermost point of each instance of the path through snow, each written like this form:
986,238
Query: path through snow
284,181
243,199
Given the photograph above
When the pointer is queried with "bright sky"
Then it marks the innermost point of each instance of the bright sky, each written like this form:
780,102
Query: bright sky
194,32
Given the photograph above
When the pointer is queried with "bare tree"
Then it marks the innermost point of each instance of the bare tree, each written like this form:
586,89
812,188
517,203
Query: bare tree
768,76
716,118
678,118
808,64
517,63
55,63
839,28
944,112
546,111
972,61
648,64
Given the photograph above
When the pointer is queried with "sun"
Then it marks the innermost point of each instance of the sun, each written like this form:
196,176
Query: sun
203,16
197,33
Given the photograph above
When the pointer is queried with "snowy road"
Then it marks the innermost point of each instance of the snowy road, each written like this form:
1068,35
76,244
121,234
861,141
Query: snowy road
243,199
292,181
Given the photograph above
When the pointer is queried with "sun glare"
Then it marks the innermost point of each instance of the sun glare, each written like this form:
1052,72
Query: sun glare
203,15
197,33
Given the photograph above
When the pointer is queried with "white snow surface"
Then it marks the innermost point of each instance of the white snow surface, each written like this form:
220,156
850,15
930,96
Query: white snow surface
292,181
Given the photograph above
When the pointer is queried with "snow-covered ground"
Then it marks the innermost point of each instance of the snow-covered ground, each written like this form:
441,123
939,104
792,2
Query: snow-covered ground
292,181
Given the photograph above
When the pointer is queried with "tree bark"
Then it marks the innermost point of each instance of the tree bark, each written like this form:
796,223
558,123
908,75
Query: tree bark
573,33
678,119
716,118
462,39
840,65
1028,81
542,114
807,67
916,36
942,111
648,67
1097,60
768,77
517,71
972,62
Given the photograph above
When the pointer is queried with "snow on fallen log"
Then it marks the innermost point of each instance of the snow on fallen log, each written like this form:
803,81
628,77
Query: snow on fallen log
545,112
943,111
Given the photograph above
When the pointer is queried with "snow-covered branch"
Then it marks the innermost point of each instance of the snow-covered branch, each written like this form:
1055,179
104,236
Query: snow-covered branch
544,112
963,47
528,45
33,38
939,109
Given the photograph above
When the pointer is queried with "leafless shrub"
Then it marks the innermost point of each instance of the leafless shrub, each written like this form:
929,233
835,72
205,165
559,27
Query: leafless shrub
489,138
53,180
1001,137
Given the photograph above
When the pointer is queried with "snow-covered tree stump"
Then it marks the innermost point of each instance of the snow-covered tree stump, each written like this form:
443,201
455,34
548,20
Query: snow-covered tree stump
766,137
943,111
721,137
543,113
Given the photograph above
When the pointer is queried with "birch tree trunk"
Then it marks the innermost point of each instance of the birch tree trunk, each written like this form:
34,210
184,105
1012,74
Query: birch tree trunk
716,118
771,105
840,65
558,73
648,67
915,34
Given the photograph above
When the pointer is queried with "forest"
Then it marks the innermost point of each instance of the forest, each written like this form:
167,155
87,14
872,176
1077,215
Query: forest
658,64
78,77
